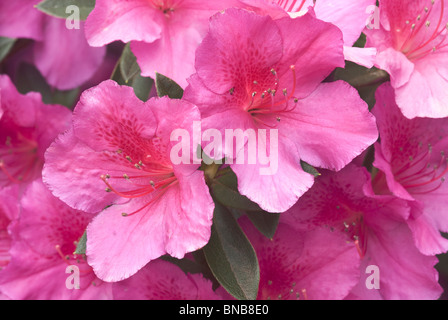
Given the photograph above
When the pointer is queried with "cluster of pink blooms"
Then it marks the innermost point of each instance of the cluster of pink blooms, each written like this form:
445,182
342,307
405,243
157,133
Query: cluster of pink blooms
105,171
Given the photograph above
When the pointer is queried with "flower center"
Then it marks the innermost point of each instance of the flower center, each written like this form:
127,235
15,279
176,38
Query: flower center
149,177
424,34
423,174
353,225
18,159
263,101
166,6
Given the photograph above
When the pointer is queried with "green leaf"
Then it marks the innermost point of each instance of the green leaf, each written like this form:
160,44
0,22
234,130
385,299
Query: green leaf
309,168
142,86
265,222
128,73
128,64
231,257
81,246
167,87
225,190
58,8
29,79
365,80
361,42
6,45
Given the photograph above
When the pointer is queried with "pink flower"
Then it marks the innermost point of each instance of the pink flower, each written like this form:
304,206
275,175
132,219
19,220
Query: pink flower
118,153
344,203
9,211
412,48
162,280
26,131
413,164
348,15
13,14
62,55
301,264
43,242
252,73
164,34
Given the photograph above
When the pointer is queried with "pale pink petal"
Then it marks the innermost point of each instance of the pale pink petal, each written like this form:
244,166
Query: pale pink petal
20,19
117,246
241,41
43,243
64,57
328,131
275,186
123,20
362,56
172,55
115,115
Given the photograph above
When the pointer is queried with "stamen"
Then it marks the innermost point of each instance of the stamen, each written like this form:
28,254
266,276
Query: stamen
304,294
8,175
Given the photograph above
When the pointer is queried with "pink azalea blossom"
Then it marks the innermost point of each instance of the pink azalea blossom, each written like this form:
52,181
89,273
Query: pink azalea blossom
62,55
413,164
301,264
26,131
344,203
13,14
162,280
412,48
43,242
118,153
164,34
269,78
348,15
9,211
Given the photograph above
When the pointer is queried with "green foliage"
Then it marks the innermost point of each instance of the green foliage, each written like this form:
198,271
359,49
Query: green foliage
6,45
29,79
58,8
127,72
81,245
167,87
231,257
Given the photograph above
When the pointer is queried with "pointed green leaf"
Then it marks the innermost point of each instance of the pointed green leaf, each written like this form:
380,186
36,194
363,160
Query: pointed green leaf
265,222
127,72
128,64
167,87
225,190
6,45
231,257
81,246
309,169
58,8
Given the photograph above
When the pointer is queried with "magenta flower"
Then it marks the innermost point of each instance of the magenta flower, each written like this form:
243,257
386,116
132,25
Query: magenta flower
162,280
348,15
9,211
26,131
412,48
164,34
62,55
252,74
43,242
301,264
344,203
13,14
412,157
118,153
